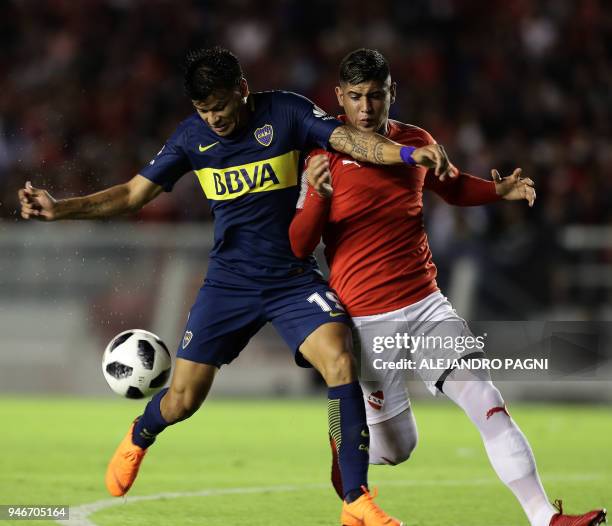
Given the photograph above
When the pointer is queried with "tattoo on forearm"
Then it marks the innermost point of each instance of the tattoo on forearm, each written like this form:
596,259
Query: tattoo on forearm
378,153
346,140
91,205
106,203
362,146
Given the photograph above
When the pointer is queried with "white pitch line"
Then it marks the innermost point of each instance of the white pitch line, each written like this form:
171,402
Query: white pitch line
79,515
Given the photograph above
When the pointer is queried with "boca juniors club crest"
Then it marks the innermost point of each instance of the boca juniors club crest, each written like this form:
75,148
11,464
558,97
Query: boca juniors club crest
264,135
187,338
376,400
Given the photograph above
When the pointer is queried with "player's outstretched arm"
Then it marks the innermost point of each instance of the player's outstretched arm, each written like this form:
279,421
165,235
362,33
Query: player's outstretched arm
375,148
467,190
37,203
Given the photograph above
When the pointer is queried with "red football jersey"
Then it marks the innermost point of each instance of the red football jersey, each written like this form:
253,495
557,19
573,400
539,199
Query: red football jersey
372,227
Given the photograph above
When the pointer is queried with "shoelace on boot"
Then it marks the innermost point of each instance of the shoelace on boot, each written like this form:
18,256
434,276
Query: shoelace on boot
370,497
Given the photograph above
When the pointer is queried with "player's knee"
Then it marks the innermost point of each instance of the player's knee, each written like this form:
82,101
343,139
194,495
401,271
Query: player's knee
180,405
393,441
488,395
338,368
481,401
328,349
393,454
405,449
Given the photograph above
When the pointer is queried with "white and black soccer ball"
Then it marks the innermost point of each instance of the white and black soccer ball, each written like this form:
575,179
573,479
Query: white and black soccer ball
136,364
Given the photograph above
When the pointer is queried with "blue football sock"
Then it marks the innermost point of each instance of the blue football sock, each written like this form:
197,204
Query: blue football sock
151,423
349,431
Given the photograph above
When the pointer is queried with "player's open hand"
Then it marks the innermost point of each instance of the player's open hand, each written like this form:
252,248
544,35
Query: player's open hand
319,176
434,156
515,187
36,203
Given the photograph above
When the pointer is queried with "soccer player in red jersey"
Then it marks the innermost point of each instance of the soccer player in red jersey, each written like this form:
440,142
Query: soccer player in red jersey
371,221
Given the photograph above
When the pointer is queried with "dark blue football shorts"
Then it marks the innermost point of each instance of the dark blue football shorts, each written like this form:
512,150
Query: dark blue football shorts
226,315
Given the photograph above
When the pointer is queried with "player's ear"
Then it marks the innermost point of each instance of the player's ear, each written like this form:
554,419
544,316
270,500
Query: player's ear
244,88
393,91
340,96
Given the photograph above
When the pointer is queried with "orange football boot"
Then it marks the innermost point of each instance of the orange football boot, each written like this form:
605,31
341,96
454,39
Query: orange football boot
592,518
123,467
365,512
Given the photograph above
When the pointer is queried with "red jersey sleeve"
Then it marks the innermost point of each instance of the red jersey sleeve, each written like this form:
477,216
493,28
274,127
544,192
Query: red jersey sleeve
464,190
312,212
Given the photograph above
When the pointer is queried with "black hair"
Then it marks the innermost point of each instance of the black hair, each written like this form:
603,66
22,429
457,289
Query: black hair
363,65
210,69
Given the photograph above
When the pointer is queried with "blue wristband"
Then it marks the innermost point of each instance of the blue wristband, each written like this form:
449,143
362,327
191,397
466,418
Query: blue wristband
406,155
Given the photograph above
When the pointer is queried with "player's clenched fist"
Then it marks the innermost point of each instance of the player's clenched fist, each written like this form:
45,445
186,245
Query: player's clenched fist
36,203
319,176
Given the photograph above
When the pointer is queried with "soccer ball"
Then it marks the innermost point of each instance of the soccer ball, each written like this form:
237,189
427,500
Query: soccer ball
136,364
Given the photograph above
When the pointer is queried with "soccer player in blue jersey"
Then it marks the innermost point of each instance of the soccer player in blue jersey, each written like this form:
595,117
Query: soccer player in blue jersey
245,150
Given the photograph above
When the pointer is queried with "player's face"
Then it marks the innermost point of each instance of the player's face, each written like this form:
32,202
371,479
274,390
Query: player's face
224,110
367,104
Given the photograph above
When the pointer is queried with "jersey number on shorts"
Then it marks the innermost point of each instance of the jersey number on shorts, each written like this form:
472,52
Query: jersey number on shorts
318,299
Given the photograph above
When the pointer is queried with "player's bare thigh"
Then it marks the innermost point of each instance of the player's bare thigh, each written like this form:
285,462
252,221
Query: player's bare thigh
329,349
191,382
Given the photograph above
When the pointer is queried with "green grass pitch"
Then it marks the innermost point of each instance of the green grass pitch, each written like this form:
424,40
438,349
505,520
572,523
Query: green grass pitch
266,463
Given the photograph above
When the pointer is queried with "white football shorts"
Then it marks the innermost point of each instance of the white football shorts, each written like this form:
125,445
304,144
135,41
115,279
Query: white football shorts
425,337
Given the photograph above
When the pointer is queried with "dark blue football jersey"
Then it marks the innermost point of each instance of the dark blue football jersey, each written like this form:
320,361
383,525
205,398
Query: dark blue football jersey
251,179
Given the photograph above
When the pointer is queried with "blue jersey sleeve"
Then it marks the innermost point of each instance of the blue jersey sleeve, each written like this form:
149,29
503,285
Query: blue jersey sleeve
312,126
170,163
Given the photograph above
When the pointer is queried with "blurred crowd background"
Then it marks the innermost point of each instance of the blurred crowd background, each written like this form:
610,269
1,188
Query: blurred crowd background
90,90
